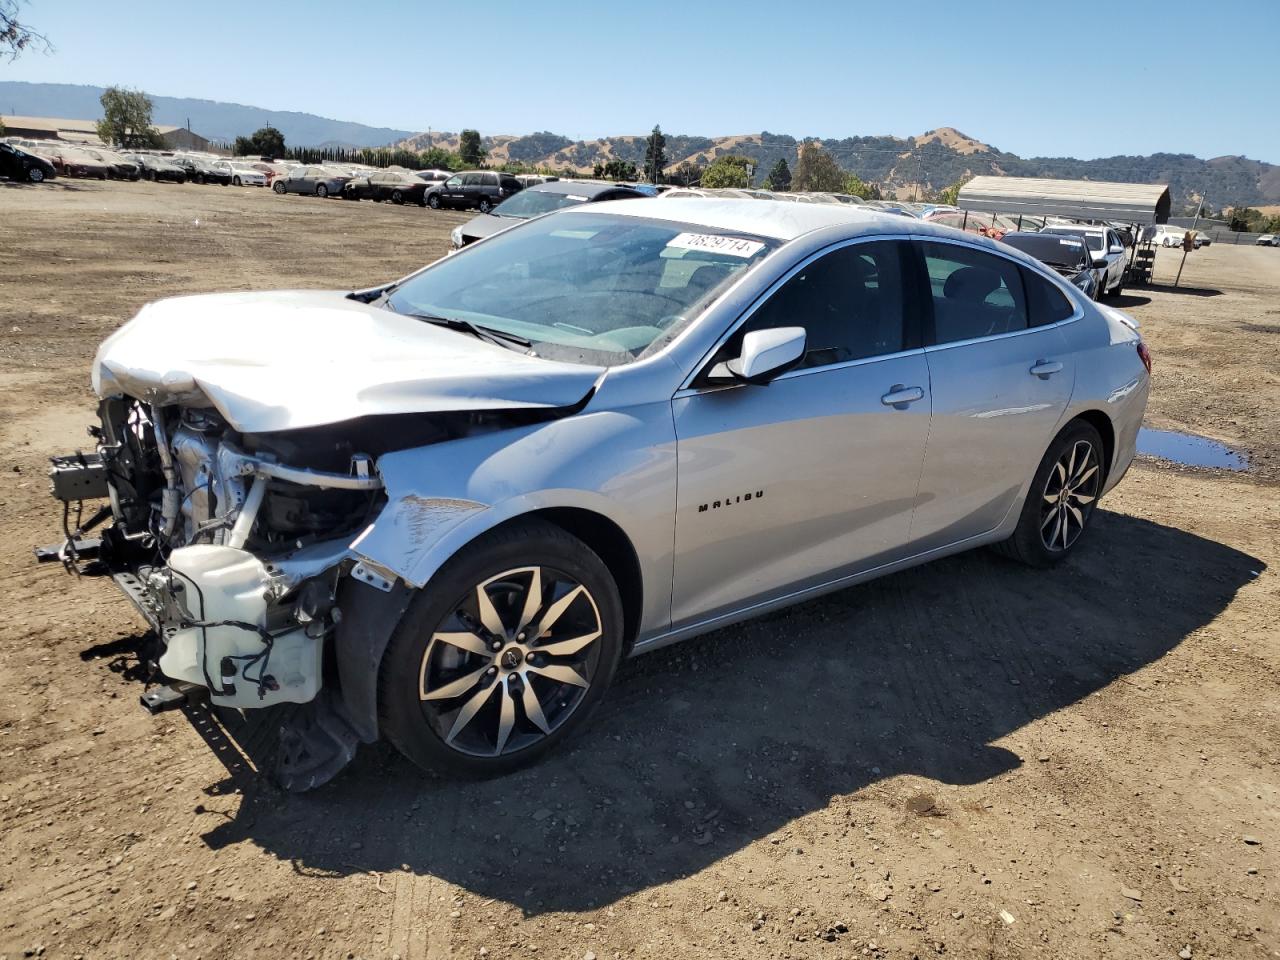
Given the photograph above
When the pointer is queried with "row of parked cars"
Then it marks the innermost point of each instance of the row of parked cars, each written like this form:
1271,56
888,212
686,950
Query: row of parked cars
1091,256
37,160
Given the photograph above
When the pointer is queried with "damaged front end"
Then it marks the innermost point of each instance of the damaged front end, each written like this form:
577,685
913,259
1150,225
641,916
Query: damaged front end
231,554
234,548
237,491
238,549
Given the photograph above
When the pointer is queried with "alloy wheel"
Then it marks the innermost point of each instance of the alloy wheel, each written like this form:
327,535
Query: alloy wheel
1070,493
512,661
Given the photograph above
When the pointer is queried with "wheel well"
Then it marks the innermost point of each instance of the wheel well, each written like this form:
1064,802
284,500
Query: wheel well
1102,423
613,547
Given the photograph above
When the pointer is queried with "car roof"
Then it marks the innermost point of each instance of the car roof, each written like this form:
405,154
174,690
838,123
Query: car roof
1073,228
576,188
764,218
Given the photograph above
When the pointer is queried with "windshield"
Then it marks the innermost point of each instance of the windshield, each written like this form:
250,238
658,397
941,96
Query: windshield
1094,240
1049,248
585,287
532,203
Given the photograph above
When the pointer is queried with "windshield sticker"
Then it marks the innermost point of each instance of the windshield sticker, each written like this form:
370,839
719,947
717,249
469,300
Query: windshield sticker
733,246
1070,243
574,196
574,234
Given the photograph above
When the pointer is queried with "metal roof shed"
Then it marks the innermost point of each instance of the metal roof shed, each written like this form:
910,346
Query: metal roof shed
1077,199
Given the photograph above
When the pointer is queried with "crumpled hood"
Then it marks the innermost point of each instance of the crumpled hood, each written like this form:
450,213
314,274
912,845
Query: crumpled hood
299,358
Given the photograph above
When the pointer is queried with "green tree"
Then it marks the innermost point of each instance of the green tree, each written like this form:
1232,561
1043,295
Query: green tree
951,194
2,128
780,176
126,119
469,148
655,155
817,170
438,158
615,169
855,187
1272,225
726,171
1246,220
16,36
686,174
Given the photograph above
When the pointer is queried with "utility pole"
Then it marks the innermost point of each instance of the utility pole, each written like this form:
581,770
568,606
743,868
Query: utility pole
1184,249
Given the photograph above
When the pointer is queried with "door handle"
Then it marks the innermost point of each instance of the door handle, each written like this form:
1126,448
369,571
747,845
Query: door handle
1044,369
899,396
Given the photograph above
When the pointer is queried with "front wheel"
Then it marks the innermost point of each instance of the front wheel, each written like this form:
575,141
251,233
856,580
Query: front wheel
1062,498
35,175
322,191
397,196
278,187
507,651
433,202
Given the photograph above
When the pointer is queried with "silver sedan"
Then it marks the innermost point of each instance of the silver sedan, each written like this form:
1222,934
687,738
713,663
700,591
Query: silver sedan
472,492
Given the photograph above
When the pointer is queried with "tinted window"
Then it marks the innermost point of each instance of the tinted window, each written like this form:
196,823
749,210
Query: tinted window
489,179
849,302
1055,250
974,293
1045,302
470,179
510,183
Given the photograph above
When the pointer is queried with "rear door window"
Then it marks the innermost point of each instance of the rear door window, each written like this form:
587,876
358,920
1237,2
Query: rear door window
1045,302
974,294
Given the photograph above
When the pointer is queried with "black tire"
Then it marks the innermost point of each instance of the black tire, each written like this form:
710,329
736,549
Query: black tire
455,732
35,174
433,201
485,206
235,181
1037,523
151,175
397,196
278,187
322,191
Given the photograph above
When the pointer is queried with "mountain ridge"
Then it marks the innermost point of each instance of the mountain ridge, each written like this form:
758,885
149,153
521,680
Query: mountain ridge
900,166
217,120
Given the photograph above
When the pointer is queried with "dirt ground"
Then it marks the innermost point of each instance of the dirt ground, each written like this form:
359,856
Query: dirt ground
970,759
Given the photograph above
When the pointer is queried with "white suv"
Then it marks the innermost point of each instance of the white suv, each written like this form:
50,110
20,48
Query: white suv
1107,250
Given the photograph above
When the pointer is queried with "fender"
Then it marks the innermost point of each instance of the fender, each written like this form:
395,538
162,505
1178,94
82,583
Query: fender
620,464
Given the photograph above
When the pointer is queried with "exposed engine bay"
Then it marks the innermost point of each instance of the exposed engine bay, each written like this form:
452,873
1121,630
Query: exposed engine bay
229,550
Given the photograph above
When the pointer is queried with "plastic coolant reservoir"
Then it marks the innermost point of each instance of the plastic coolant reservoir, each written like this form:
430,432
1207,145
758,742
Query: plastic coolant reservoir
220,584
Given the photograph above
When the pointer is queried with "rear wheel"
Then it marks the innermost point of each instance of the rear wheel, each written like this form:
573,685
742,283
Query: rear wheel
507,651
485,205
321,191
278,187
235,181
397,196
1062,498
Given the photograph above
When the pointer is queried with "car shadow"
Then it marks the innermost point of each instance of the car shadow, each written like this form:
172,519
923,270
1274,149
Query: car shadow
708,746
58,183
1126,301
1167,287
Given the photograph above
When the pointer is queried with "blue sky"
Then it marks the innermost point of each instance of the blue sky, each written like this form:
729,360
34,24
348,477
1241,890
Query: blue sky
1038,78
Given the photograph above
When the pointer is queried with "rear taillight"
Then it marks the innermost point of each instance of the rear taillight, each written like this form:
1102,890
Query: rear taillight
1144,355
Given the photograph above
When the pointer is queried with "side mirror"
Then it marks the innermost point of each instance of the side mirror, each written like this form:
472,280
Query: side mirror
1100,261
765,355
1117,250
